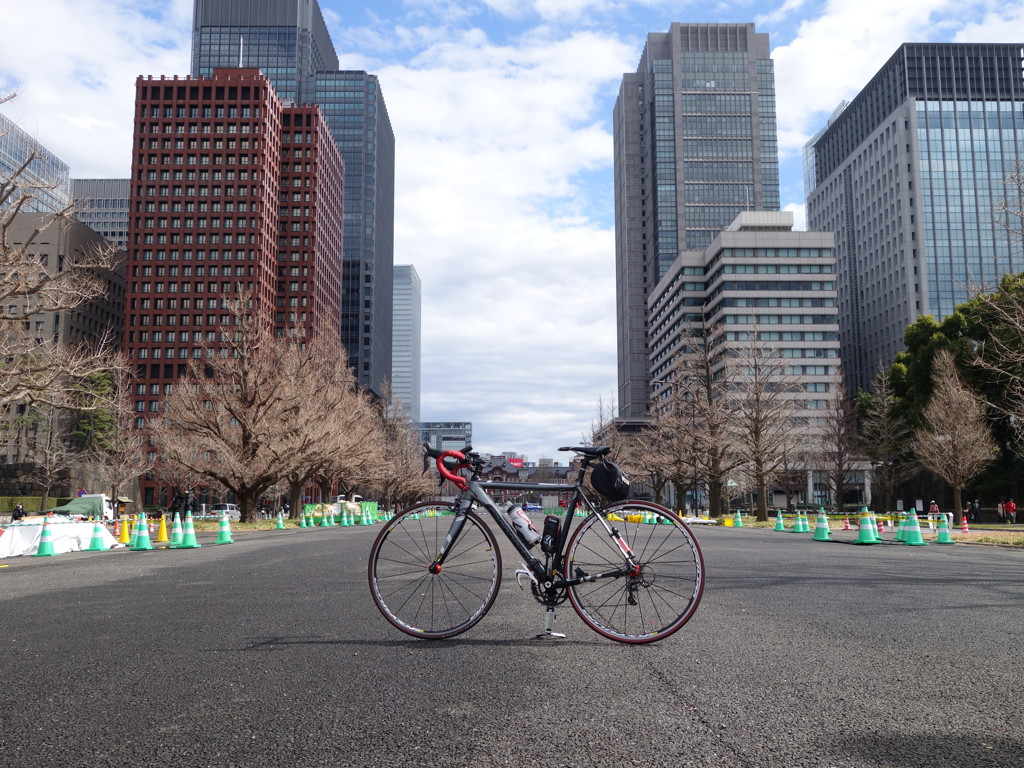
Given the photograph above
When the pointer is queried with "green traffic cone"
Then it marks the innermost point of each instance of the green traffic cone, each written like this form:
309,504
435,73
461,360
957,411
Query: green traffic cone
913,536
901,532
188,537
142,542
302,521
280,522
821,530
224,533
97,543
780,524
867,534
45,548
739,520
177,534
944,537
135,532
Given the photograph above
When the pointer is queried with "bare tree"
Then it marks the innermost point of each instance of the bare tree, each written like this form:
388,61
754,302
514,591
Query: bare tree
46,446
837,443
399,479
766,410
955,439
264,408
886,440
122,455
45,372
710,377
672,438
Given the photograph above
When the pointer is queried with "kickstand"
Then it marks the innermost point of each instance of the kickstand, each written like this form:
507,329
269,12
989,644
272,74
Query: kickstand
549,626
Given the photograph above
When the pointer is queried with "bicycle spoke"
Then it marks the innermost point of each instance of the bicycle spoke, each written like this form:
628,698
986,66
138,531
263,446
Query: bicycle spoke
652,604
433,603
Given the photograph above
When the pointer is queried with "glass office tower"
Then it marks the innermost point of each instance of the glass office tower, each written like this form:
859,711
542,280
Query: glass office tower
289,42
354,108
286,39
405,363
695,146
46,179
910,177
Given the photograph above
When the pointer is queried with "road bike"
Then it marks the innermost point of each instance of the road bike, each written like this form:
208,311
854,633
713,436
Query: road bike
632,570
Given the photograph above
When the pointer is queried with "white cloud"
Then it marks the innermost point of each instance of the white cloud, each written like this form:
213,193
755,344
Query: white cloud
76,92
779,14
834,55
518,304
799,211
1003,26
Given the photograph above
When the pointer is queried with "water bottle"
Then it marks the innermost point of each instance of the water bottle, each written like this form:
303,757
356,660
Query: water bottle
523,525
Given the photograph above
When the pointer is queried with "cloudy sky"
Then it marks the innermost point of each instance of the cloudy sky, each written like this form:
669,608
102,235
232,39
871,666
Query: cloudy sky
502,117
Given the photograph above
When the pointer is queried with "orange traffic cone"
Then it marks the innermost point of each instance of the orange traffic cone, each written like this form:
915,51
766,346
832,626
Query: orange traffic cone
846,525
963,525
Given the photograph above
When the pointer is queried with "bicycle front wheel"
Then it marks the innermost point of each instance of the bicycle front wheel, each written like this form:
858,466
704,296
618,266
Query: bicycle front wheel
655,602
434,603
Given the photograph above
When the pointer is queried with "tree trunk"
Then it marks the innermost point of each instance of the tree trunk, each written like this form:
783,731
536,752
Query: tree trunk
248,505
295,500
715,498
762,497
958,508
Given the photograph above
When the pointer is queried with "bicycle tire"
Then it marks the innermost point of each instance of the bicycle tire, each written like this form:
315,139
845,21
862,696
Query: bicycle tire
652,605
427,605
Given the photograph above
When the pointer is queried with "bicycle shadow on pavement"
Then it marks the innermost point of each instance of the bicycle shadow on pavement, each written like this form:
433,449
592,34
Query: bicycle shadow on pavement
950,750
285,643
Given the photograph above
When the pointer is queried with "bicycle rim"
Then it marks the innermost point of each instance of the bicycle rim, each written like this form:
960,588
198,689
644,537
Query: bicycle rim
652,605
426,605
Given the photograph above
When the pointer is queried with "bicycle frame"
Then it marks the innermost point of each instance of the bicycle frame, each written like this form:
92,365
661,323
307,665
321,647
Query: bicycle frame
475,493
435,578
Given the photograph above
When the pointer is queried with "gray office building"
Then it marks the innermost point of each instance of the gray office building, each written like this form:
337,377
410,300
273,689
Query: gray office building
405,342
695,145
910,176
102,205
44,177
289,42
447,435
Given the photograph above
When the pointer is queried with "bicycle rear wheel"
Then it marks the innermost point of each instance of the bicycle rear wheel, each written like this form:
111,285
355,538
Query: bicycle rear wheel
651,605
434,605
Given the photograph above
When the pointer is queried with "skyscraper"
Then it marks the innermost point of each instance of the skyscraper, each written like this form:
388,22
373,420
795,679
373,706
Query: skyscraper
405,361
286,39
289,42
909,176
232,193
695,145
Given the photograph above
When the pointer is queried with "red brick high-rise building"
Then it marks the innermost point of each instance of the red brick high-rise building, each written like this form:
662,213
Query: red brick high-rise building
231,193
309,244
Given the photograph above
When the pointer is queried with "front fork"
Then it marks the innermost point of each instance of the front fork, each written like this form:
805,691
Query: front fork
458,523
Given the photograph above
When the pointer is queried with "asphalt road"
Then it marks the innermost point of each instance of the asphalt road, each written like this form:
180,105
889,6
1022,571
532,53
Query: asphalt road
269,652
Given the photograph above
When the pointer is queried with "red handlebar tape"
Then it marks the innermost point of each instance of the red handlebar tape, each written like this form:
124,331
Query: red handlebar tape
459,481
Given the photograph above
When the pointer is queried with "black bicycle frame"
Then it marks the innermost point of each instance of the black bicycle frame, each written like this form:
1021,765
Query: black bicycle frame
476,493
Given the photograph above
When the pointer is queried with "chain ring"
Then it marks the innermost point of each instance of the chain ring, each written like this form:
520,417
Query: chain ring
549,597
